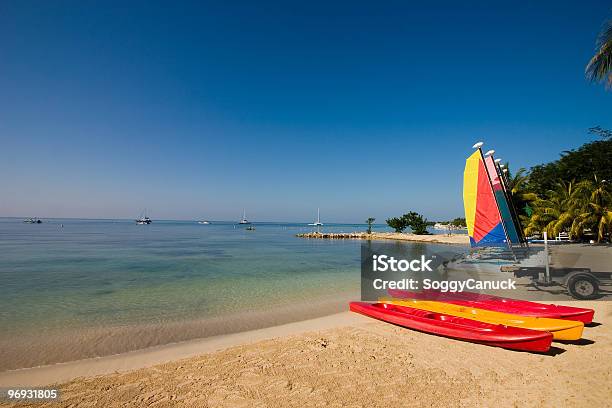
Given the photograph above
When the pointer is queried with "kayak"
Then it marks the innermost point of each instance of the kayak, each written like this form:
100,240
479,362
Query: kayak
457,327
501,304
560,329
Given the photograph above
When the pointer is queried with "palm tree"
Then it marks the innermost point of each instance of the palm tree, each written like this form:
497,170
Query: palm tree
559,210
521,197
599,68
596,213
575,208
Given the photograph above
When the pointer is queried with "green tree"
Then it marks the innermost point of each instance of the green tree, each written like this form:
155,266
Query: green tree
458,222
570,194
553,213
398,224
599,68
589,161
575,208
520,195
596,212
370,221
416,222
599,131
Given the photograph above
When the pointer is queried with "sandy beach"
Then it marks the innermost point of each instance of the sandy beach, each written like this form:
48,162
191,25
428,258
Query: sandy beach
198,201
339,360
458,239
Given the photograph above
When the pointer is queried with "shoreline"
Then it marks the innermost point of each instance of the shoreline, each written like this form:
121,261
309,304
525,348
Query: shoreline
457,239
63,346
342,358
150,356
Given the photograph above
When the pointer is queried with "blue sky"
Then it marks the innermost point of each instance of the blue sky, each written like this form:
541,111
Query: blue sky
362,109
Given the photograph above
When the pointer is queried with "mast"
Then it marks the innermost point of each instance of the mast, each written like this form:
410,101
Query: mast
318,218
508,242
507,215
515,216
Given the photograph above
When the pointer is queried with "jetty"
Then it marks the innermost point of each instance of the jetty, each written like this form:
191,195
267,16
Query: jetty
335,235
456,239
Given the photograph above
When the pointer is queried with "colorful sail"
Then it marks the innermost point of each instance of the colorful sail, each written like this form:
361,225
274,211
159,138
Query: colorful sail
502,203
481,213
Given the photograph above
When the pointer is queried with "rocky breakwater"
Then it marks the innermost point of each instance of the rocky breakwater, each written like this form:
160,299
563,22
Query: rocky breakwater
335,235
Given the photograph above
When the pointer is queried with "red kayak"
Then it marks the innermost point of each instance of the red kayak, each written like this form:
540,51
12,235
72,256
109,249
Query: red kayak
496,335
500,304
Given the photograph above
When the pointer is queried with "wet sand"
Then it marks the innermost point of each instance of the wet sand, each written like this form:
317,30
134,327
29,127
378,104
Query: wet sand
49,347
345,360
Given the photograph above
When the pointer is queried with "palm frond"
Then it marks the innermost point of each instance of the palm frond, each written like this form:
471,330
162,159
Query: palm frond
599,68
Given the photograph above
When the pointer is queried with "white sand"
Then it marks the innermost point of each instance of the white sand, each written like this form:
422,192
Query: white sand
61,372
457,239
341,360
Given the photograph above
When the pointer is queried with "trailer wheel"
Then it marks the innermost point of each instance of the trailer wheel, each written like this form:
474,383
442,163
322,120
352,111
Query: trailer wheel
583,287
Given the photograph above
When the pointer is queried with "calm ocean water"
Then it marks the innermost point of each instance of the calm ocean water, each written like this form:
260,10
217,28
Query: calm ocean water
99,273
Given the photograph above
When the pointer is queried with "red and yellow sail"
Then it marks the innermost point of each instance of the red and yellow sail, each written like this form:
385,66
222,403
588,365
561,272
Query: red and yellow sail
481,212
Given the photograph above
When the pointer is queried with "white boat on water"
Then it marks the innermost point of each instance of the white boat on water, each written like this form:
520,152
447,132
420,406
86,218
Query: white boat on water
204,222
318,223
446,227
440,226
143,219
244,218
32,221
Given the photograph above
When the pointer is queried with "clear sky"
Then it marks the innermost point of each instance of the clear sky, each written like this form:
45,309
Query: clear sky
360,108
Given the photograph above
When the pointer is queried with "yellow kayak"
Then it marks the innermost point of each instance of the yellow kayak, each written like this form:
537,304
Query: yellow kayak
560,329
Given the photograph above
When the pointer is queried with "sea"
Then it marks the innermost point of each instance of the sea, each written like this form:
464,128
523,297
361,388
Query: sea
77,288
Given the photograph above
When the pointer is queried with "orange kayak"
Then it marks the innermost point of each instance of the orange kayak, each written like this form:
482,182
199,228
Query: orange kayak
560,329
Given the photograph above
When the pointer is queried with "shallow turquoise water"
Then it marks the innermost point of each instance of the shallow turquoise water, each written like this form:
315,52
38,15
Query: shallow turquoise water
87,273
92,272
74,289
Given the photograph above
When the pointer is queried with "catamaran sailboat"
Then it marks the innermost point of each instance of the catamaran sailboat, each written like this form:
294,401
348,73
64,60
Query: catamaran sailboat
244,219
318,223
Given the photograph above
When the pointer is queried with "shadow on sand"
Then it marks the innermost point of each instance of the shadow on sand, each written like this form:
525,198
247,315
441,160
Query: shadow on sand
554,351
579,342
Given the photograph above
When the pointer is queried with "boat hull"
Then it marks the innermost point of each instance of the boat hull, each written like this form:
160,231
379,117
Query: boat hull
560,329
456,327
501,304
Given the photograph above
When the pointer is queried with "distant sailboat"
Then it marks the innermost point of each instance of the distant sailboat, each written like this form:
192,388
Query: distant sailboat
32,221
318,223
143,219
244,219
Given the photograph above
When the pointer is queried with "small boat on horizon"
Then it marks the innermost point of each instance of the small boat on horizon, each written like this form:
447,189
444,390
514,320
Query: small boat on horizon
318,223
204,222
144,219
33,220
244,218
